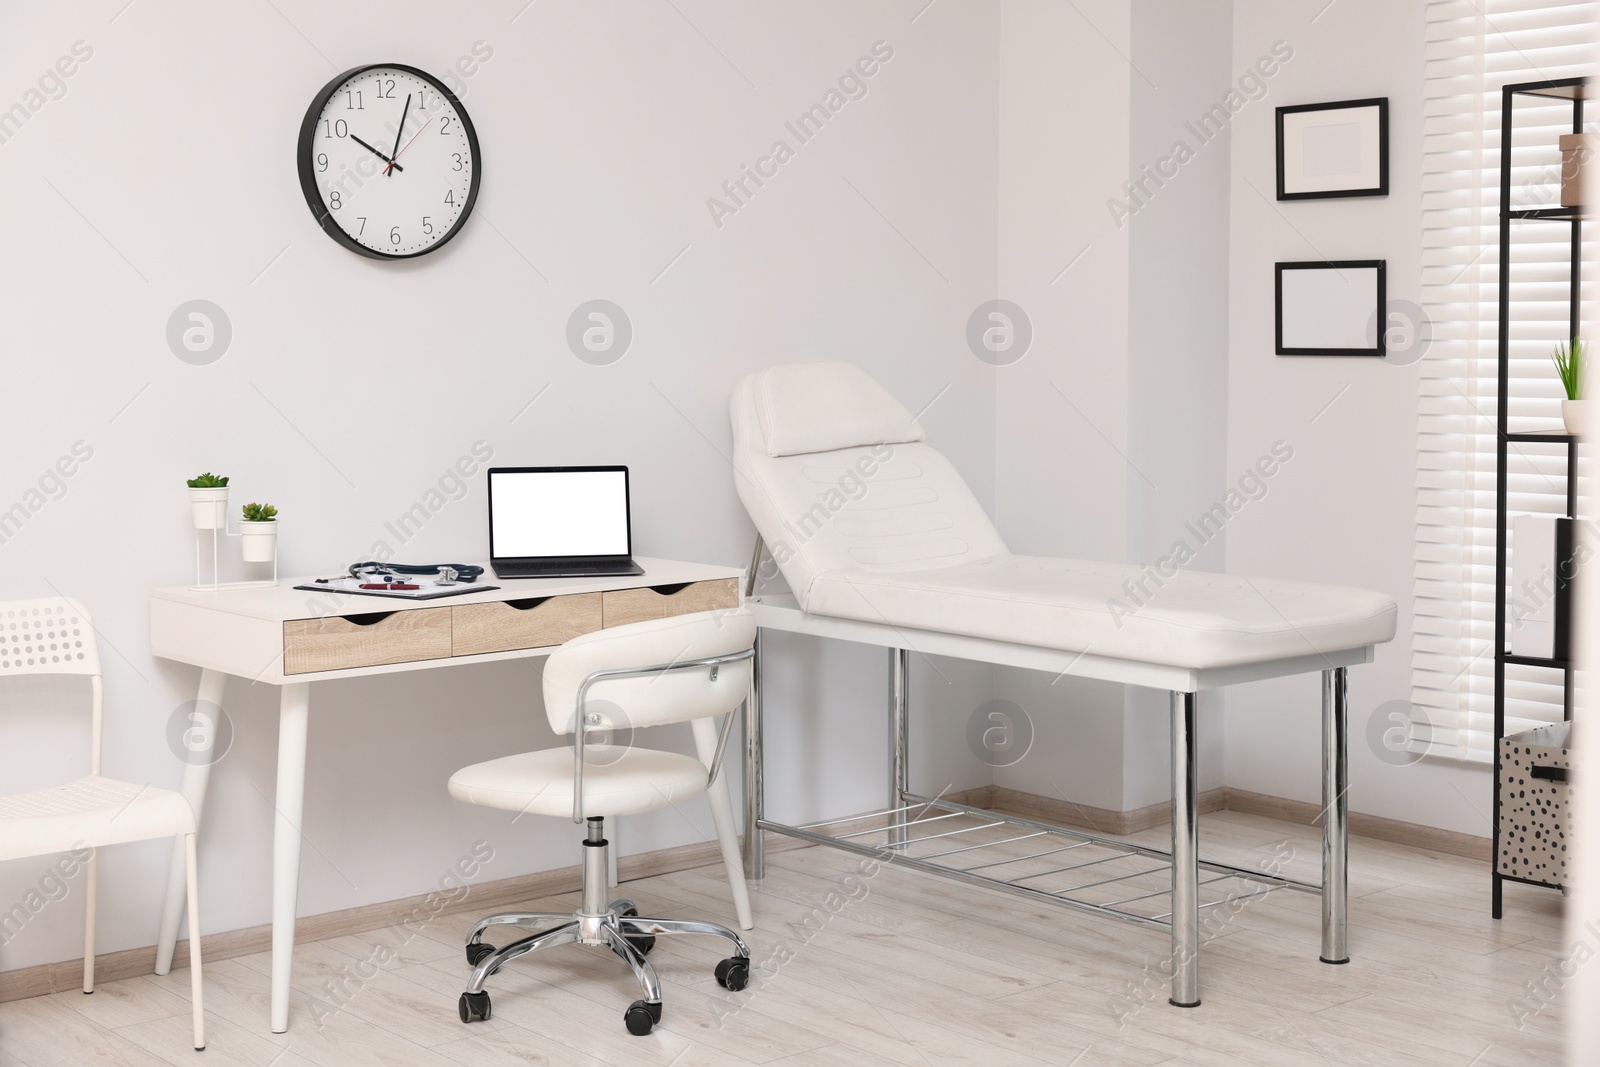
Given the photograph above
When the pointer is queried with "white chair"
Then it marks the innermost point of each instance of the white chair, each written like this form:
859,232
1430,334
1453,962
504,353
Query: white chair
690,668
53,636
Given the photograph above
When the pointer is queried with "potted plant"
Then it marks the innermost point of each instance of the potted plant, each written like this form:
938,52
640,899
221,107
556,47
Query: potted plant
259,533
208,494
1569,359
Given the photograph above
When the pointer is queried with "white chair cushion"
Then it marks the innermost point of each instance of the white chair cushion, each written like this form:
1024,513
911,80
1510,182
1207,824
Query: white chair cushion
819,407
652,699
1194,620
89,813
615,781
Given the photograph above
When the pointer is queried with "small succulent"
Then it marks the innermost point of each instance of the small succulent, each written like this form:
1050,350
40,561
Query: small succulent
260,513
208,481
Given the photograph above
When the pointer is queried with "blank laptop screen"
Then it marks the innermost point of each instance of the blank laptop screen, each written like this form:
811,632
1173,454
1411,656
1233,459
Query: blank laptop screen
558,513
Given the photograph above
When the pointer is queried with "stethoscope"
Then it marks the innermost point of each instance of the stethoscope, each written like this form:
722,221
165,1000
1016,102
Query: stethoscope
447,573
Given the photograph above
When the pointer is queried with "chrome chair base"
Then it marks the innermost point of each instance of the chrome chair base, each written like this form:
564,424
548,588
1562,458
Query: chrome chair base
617,926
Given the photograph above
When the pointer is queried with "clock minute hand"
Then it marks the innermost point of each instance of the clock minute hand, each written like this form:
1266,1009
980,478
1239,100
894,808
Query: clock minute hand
413,139
397,133
375,152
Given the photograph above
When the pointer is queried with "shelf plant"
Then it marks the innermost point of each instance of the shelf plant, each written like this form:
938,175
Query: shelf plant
1570,358
208,498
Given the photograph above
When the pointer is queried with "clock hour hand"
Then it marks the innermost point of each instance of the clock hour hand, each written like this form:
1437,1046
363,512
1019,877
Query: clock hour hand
375,152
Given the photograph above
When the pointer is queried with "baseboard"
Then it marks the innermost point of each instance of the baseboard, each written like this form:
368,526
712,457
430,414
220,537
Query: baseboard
1122,823
1084,817
482,897
1394,831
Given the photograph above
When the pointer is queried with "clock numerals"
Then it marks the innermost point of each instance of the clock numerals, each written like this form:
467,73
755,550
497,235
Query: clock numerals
385,88
427,225
450,198
322,162
339,128
334,201
352,100
458,158
444,127
363,227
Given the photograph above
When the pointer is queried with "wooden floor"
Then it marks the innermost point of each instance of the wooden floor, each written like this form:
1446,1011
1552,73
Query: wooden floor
896,968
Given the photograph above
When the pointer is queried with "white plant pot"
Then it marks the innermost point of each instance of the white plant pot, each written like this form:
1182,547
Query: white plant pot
210,508
1575,413
258,540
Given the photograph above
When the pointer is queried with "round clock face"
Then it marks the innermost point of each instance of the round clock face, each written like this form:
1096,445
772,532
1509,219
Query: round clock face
388,161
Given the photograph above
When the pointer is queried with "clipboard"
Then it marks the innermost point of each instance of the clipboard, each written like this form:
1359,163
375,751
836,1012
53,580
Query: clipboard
428,588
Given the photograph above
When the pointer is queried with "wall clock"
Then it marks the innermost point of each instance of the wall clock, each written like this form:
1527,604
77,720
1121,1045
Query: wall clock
388,161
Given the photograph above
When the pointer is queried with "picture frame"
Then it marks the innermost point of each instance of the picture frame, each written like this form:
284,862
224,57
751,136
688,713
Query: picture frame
1338,149
1330,308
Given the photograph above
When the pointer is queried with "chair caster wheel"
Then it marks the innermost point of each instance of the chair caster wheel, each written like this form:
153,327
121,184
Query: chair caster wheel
733,973
478,952
641,1017
642,943
474,1007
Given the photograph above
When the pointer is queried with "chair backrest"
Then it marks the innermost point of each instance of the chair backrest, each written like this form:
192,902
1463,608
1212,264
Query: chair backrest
51,635
834,474
662,696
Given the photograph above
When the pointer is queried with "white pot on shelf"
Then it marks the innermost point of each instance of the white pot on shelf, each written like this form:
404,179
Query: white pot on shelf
1575,413
258,540
210,508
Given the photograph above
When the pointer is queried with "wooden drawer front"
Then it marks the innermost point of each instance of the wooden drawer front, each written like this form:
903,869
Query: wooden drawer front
622,606
511,624
366,640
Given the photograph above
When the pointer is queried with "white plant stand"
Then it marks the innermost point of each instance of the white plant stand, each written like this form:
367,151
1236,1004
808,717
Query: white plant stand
218,531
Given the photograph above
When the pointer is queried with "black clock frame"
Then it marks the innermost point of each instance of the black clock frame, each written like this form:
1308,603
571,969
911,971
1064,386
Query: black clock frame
308,177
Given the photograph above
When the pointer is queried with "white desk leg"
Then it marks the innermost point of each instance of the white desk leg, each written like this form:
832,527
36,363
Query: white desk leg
705,742
1335,816
294,705
196,775
1185,856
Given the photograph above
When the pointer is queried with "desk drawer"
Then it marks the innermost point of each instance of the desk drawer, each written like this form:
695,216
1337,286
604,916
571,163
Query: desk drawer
367,640
622,606
537,622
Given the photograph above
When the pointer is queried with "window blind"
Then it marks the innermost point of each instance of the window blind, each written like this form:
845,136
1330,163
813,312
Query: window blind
1474,47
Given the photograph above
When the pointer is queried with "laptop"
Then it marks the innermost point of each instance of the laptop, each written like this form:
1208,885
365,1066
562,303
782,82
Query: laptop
560,522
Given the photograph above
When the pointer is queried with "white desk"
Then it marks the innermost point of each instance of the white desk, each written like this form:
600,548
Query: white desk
291,638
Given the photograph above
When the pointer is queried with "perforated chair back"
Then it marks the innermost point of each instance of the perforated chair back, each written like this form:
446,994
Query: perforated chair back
51,635
659,697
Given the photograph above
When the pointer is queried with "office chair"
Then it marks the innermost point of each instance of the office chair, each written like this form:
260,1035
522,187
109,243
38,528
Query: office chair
54,636
689,668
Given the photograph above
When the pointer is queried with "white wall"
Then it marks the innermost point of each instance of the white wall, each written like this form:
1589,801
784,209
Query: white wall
1062,408
166,172
1343,509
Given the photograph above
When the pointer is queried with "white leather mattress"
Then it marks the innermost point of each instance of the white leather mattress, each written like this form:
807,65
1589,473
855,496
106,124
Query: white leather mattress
1192,619
868,522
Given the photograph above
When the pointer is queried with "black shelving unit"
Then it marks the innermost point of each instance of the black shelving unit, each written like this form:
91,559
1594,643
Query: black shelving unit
1572,90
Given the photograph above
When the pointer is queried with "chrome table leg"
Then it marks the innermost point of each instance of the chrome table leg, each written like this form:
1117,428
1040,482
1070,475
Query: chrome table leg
1185,856
899,778
1335,816
755,864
